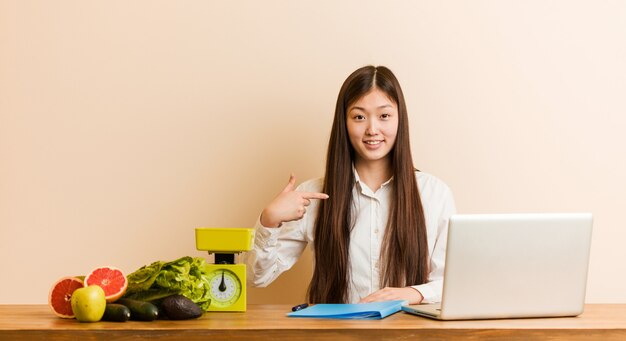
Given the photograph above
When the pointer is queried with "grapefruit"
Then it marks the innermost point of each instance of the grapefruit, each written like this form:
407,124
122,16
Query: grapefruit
60,296
110,279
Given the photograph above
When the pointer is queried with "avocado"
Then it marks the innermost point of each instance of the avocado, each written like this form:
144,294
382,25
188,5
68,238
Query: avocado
179,307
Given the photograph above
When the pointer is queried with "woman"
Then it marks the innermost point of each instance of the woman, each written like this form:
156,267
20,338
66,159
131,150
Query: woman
378,226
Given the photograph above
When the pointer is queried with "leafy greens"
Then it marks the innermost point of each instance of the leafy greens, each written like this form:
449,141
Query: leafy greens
186,276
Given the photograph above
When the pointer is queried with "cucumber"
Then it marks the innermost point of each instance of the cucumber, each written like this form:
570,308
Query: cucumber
116,313
140,310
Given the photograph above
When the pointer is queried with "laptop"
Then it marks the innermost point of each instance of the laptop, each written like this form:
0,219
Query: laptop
513,266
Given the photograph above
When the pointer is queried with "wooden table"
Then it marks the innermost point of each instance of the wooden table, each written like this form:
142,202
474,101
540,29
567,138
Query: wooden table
28,322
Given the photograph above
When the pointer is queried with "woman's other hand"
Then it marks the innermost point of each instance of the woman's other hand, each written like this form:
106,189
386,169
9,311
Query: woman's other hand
288,205
392,294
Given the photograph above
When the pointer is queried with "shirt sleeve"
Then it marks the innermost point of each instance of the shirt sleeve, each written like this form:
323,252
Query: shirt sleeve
275,251
432,290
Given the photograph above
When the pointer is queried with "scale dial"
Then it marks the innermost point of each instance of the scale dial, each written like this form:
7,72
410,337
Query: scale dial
225,288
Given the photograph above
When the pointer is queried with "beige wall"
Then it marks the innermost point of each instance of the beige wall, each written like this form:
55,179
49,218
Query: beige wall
126,124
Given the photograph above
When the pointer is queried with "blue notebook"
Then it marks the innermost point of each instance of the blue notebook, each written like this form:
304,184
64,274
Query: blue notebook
360,311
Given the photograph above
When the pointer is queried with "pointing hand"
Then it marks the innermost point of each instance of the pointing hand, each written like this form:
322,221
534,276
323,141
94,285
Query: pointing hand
288,205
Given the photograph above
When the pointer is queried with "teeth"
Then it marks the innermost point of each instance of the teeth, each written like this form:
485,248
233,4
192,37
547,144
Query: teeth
373,142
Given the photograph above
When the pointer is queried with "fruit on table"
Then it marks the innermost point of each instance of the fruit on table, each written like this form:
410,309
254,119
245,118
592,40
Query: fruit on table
179,307
140,310
116,313
89,303
110,279
60,296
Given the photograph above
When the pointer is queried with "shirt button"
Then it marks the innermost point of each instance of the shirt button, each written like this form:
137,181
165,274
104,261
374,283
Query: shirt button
376,231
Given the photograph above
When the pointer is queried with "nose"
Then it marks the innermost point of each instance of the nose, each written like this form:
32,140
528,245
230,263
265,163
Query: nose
372,129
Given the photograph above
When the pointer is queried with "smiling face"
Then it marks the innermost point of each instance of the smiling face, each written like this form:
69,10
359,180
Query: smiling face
372,123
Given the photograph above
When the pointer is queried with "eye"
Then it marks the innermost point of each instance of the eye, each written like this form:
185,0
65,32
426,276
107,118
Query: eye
385,116
358,117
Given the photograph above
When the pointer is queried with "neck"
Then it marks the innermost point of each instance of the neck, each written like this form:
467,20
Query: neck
374,173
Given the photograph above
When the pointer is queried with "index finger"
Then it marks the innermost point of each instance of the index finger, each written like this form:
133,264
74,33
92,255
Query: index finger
314,195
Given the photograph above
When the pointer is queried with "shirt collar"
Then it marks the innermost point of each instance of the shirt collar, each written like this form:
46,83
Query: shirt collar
363,186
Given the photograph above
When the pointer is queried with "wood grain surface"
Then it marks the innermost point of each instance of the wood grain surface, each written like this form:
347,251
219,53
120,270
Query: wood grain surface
262,322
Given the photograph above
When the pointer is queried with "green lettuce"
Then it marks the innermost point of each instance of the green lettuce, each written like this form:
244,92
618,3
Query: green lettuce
186,276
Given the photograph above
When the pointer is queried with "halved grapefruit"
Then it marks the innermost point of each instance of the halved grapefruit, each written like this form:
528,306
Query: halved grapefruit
60,296
110,279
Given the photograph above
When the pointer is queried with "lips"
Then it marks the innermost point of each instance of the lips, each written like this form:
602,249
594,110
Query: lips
373,145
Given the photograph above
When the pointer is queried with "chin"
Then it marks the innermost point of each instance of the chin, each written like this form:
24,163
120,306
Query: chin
374,158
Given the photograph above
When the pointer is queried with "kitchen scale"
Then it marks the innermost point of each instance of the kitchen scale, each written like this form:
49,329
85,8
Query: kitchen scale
227,279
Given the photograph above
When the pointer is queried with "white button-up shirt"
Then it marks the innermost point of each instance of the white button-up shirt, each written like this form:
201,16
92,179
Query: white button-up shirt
277,249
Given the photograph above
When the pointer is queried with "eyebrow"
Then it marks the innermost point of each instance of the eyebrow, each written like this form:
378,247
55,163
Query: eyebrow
380,107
